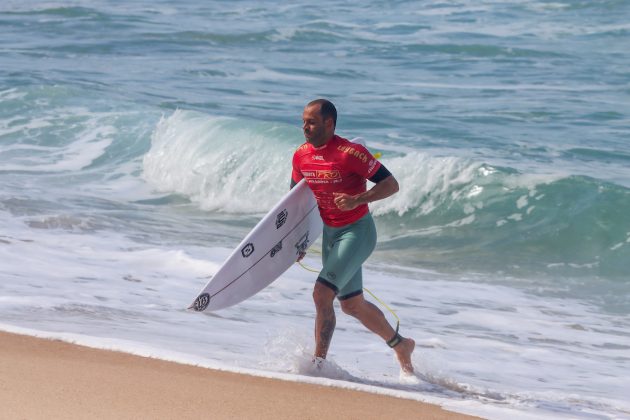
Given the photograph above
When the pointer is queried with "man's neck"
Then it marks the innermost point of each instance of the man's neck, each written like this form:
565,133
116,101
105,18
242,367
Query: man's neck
320,145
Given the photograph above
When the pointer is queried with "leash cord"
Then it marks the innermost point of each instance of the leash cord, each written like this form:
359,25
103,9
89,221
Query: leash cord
312,270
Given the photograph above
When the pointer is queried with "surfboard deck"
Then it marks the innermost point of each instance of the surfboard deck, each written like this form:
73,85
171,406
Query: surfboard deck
272,246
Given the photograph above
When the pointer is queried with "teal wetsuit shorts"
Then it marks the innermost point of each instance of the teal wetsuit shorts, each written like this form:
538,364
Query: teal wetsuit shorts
345,249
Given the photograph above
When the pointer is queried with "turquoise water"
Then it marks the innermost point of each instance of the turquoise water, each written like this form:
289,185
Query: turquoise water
150,132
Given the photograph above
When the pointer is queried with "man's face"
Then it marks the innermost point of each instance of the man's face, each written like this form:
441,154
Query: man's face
314,126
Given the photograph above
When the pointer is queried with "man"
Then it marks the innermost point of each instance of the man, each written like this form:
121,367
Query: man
336,170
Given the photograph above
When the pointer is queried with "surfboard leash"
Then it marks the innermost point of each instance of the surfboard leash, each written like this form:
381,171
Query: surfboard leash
312,270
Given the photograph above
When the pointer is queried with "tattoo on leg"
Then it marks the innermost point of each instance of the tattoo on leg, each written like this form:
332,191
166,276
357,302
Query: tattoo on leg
325,328
326,333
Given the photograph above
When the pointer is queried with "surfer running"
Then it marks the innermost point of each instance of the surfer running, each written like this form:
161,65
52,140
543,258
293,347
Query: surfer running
336,170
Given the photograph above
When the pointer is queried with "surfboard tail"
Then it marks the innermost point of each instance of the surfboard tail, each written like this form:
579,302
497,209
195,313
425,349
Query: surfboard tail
201,303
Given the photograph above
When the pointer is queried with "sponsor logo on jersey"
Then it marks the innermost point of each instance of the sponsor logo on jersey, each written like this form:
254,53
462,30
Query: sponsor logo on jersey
354,152
334,174
317,157
331,174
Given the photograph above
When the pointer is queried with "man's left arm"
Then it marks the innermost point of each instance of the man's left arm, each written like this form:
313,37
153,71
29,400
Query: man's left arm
386,185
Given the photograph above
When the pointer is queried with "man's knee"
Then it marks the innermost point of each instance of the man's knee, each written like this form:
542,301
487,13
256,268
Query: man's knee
352,306
323,296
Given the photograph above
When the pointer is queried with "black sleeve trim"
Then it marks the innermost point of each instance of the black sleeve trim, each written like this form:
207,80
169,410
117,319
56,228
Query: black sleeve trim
380,175
293,184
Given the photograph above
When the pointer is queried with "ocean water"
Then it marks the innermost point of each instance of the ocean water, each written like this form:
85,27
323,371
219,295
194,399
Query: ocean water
140,141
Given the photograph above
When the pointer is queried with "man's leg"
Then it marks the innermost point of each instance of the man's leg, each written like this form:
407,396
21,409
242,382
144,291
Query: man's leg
374,320
325,320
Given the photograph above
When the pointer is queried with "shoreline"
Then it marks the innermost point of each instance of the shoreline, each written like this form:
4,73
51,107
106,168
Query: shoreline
53,379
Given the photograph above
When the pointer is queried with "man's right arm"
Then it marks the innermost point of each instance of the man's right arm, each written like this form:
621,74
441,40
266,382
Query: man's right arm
301,255
296,174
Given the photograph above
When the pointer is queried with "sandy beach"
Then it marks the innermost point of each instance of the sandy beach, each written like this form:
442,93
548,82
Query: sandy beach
50,379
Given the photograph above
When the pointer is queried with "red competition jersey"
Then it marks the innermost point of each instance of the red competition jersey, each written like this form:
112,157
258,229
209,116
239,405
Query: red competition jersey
337,166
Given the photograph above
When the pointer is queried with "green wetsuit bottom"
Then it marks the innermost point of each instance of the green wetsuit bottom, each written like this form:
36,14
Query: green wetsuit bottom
345,249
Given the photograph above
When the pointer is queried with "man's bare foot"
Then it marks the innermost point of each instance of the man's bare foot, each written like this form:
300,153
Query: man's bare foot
318,362
403,354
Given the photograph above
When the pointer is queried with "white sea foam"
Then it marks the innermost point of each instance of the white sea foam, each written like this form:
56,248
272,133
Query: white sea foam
72,158
12,93
224,164
440,180
87,143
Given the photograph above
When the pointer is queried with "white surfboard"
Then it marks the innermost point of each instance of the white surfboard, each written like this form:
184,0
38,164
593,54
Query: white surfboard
289,228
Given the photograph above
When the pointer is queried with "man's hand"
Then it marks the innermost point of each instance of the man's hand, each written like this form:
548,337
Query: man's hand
381,190
345,202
